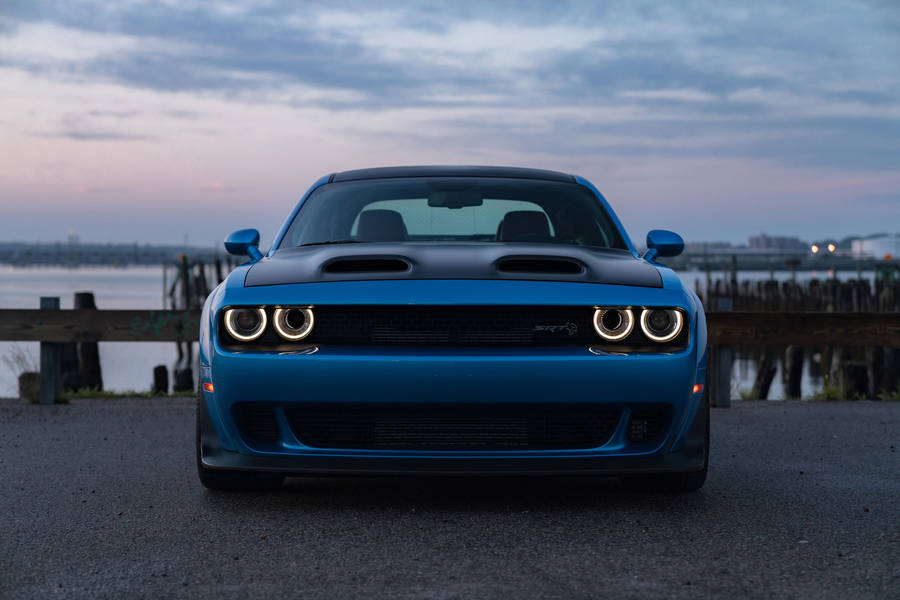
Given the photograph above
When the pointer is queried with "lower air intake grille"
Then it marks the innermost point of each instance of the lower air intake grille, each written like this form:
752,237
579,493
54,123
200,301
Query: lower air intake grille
453,427
258,422
646,424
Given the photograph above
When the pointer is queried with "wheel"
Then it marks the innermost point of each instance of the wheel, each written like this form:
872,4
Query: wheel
684,481
229,480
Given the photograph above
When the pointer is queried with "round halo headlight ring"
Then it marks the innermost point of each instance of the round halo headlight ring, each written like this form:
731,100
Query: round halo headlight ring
623,328
286,329
676,323
233,326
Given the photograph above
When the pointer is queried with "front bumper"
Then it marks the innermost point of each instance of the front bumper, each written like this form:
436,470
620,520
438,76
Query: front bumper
416,376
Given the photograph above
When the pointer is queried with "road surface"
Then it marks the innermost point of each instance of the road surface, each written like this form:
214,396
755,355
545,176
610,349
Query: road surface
100,499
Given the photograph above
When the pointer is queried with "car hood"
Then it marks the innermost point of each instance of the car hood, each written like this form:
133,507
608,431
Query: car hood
512,261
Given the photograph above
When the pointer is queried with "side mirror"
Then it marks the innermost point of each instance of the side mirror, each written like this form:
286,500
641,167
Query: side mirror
663,243
244,242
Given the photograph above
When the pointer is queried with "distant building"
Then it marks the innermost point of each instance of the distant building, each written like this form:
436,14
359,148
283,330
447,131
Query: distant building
776,243
878,247
706,247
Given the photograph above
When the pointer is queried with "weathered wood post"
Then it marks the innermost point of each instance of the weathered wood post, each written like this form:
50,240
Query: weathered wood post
183,377
70,376
160,380
732,280
50,359
88,352
875,370
721,361
765,373
794,371
185,275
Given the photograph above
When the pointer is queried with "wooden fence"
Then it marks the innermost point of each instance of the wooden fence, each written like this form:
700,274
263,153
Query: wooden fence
725,330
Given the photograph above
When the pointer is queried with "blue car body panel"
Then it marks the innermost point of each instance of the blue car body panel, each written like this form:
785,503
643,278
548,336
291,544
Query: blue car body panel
419,375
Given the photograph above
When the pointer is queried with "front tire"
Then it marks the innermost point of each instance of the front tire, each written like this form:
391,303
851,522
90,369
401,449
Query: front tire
231,480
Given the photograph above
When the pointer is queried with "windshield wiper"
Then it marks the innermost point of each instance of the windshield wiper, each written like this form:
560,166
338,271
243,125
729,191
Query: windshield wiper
332,242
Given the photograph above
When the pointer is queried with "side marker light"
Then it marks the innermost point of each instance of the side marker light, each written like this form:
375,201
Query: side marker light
208,387
698,387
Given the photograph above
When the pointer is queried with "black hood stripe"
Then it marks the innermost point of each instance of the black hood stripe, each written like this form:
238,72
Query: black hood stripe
532,262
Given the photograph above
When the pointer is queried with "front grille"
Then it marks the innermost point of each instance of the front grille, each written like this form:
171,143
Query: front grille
257,423
449,325
453,427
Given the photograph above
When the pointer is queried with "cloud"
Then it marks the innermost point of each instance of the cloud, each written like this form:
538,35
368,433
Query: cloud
105,136
262,87
83,127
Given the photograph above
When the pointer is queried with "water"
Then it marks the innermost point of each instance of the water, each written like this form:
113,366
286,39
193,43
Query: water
128,365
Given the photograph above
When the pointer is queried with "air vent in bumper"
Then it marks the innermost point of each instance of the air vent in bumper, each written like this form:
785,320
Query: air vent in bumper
257,423
453,427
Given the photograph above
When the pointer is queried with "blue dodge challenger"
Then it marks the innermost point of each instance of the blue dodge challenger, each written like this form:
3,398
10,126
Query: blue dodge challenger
452,320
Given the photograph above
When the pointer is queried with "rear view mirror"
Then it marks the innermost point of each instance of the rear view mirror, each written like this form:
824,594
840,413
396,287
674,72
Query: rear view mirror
455,198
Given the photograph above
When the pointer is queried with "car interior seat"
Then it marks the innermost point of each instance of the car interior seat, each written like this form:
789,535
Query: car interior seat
524,226
381,226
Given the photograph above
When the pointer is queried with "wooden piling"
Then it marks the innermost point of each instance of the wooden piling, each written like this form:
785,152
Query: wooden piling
88,352
184,269
183,379
853,380
50,360
70,375
765,373
874,356
30,387
218,269
720,363
795,371
160,380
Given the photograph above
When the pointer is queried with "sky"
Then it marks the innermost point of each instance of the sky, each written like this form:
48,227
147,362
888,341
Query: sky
158,122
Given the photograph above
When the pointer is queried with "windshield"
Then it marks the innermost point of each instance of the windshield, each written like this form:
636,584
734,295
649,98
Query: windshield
460,209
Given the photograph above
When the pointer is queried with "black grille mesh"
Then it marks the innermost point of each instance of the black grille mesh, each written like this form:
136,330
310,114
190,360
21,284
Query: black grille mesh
438,325
453,427
647,424
258,422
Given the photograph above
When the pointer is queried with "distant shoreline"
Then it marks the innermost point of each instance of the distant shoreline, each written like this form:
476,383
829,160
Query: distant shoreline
76,254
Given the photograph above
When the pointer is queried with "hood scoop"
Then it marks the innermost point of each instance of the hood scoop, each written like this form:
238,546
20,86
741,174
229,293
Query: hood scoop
540,265
358,264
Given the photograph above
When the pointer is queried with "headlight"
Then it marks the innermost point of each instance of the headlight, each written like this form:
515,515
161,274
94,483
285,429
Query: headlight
293,323
245,324
613,324
661,325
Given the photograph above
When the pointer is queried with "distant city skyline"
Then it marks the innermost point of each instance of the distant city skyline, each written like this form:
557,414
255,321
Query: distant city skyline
155,121
786,242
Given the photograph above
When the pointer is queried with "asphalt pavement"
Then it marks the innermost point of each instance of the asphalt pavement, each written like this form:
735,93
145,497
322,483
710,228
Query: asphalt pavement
99,499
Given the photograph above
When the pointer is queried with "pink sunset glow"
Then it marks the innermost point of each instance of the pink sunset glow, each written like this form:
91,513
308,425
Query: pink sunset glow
130,131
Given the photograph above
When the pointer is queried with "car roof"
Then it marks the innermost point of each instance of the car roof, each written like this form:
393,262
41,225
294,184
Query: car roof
451,171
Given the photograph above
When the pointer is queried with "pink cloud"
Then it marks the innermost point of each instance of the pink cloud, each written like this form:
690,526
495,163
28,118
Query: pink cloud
216,186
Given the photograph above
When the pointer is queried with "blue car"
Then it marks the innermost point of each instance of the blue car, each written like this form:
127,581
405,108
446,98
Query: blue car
452,321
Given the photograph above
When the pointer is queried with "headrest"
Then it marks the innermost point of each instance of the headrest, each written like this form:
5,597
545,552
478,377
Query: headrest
524,226
381,226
